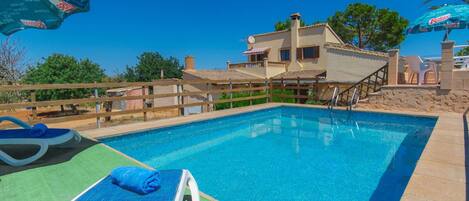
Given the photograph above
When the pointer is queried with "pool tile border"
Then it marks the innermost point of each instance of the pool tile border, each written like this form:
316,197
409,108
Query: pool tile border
440,173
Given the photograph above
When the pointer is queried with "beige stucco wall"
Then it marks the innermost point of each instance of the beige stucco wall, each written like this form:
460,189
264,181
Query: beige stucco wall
349,66
331,37
272,71
313,37
262,72
418,98
307,36
275,41
254,71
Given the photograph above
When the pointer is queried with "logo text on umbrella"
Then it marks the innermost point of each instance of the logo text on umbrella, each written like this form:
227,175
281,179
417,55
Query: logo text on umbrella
439,19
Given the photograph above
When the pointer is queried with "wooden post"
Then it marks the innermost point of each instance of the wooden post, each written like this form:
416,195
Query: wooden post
282,90
34,108
211,106
207,87
107,108
178,98
271,90
250,92
297,89
182,100
368,85
316,89
151,91
231,94
144,104
266,90
98,107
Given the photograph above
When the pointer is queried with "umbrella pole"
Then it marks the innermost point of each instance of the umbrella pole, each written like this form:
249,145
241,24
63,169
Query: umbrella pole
447,34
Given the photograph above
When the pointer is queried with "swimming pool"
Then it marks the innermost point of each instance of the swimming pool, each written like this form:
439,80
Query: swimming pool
290,153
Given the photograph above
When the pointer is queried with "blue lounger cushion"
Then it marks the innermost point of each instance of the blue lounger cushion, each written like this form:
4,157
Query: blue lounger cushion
26,133
136,179
106,190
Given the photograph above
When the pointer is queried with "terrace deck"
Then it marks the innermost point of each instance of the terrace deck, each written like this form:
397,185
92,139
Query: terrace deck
440,173
62,181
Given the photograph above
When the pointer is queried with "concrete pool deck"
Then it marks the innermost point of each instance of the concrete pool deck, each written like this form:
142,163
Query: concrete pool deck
65,180
440,173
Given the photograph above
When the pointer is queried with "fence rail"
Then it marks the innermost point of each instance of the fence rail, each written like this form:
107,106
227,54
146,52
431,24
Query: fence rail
234,86
300,89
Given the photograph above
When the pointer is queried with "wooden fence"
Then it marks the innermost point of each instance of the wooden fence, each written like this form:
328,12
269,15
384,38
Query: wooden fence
242,86
211,87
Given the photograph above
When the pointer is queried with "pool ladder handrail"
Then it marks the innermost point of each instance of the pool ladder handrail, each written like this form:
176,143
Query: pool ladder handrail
334,98
354,100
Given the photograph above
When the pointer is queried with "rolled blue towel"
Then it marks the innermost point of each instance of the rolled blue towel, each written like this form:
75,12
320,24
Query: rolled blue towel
38,130
135,179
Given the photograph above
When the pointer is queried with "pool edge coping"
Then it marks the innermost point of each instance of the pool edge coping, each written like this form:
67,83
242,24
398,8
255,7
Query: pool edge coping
414,188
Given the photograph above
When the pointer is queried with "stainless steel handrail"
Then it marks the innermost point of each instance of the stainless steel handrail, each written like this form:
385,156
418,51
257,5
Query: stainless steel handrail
334,98
355,98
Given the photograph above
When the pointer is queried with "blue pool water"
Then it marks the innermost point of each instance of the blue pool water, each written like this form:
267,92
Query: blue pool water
290,153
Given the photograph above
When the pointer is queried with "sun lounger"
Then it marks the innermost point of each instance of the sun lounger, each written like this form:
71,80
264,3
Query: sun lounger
173,183
24,136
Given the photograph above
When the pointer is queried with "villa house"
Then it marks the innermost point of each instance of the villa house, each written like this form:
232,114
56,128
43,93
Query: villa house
306,51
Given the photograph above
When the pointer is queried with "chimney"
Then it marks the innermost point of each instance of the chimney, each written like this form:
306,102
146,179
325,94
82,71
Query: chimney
295,17
295,26
189,63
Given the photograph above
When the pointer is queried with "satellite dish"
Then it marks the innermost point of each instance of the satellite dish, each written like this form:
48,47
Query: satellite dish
251,40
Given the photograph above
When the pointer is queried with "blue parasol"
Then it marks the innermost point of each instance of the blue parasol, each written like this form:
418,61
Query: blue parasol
16,15
445,18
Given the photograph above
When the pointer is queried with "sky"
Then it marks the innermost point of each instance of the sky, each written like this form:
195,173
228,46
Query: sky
114,33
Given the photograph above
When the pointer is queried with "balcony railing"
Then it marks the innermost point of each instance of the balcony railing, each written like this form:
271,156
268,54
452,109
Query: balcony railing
246,65
257,64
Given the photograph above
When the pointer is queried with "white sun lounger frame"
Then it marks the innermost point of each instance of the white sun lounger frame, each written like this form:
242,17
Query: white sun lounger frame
43,143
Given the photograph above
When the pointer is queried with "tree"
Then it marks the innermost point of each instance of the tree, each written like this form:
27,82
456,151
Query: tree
370,28
57,69
285,25
11,56
149,67
463,52
11,59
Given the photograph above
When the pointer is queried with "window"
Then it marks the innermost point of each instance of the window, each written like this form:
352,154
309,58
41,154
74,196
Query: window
252,58
307,53
257,57
260,57
285,55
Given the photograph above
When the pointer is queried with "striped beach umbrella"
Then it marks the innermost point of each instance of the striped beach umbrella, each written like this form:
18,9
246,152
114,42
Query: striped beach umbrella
445,18
16,15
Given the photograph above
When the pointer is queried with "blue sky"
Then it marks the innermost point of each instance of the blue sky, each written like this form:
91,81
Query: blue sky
114,34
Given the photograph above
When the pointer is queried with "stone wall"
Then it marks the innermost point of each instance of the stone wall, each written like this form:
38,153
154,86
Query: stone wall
418,98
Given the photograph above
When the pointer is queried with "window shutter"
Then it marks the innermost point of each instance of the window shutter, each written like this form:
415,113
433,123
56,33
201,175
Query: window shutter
299,54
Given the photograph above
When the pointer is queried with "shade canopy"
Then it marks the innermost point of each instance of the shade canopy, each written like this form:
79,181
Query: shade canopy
447,17
259,50
17,15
